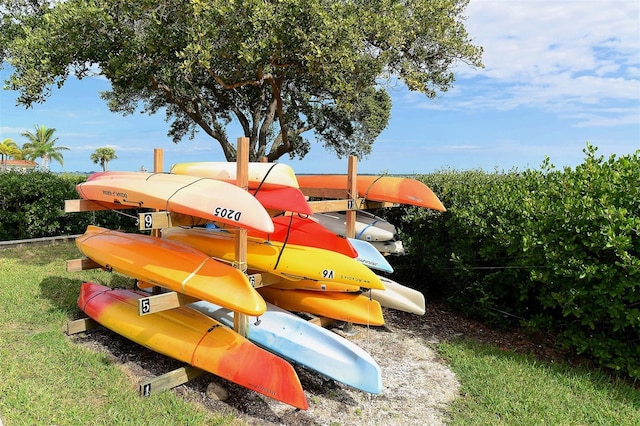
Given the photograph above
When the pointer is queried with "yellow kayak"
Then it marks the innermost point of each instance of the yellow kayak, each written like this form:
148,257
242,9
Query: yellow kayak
289,261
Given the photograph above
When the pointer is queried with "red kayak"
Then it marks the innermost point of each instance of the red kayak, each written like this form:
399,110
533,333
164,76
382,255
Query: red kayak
303,231
282,199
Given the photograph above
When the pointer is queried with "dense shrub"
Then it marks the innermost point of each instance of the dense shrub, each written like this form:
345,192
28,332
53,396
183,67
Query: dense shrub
584,225
470,254
32,206
553,249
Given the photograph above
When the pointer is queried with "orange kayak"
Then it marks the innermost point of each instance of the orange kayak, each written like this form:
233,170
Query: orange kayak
173,266
348,307
194,338
376,188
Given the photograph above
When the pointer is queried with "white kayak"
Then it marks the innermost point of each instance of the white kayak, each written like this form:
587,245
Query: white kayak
263,175
389,247
368,227
299,341
399,297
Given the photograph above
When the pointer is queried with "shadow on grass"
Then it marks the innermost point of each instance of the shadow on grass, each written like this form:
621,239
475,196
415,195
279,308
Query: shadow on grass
63,292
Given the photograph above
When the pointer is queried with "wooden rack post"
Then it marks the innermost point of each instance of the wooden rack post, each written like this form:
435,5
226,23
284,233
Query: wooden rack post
158,167
241,321
352,188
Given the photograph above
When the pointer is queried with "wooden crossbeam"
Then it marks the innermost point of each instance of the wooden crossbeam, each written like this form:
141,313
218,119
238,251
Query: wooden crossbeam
77,265
77,206
322,321
324,206
154,220
170,380
162,302
81,325
263,279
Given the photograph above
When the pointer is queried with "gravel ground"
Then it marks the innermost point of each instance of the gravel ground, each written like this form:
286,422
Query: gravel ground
417,385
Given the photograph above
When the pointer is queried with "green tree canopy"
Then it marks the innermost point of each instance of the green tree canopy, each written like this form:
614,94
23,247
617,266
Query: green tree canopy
283,69
103,155
41,144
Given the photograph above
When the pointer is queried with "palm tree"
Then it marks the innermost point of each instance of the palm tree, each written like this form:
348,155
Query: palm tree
41,145
103,156
8,149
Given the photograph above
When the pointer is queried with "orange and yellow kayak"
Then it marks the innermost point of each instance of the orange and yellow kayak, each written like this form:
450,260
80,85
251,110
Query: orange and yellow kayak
173,266
348,307
376,188
260,175
194,338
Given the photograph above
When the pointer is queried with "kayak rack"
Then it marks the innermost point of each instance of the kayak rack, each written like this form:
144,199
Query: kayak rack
154,221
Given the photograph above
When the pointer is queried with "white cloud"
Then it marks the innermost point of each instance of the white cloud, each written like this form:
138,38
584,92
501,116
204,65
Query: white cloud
6,130
553,55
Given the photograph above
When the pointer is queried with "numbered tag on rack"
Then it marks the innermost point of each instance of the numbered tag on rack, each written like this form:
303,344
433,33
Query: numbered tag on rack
147,220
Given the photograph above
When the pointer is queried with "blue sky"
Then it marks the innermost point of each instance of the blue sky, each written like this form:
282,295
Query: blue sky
557,74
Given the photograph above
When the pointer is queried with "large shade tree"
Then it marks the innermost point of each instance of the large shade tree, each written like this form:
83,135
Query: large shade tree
41,144
287,71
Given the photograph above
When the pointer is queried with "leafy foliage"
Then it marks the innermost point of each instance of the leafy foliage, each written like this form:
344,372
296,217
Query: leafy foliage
549,249
584,225
9,149
41,144
280,68
32,206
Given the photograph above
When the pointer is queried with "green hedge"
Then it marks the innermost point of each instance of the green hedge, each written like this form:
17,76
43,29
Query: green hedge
32,206
550,249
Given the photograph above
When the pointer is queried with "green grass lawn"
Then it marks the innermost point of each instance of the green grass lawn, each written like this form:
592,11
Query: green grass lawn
46,378
503,388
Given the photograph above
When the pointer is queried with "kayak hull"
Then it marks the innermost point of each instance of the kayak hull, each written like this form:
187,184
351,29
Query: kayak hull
348,307
194,338
189,195
289,261
376,188
306,344
173,266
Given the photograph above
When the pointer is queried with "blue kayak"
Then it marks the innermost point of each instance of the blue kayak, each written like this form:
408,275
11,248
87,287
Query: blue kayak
301,342
369,255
